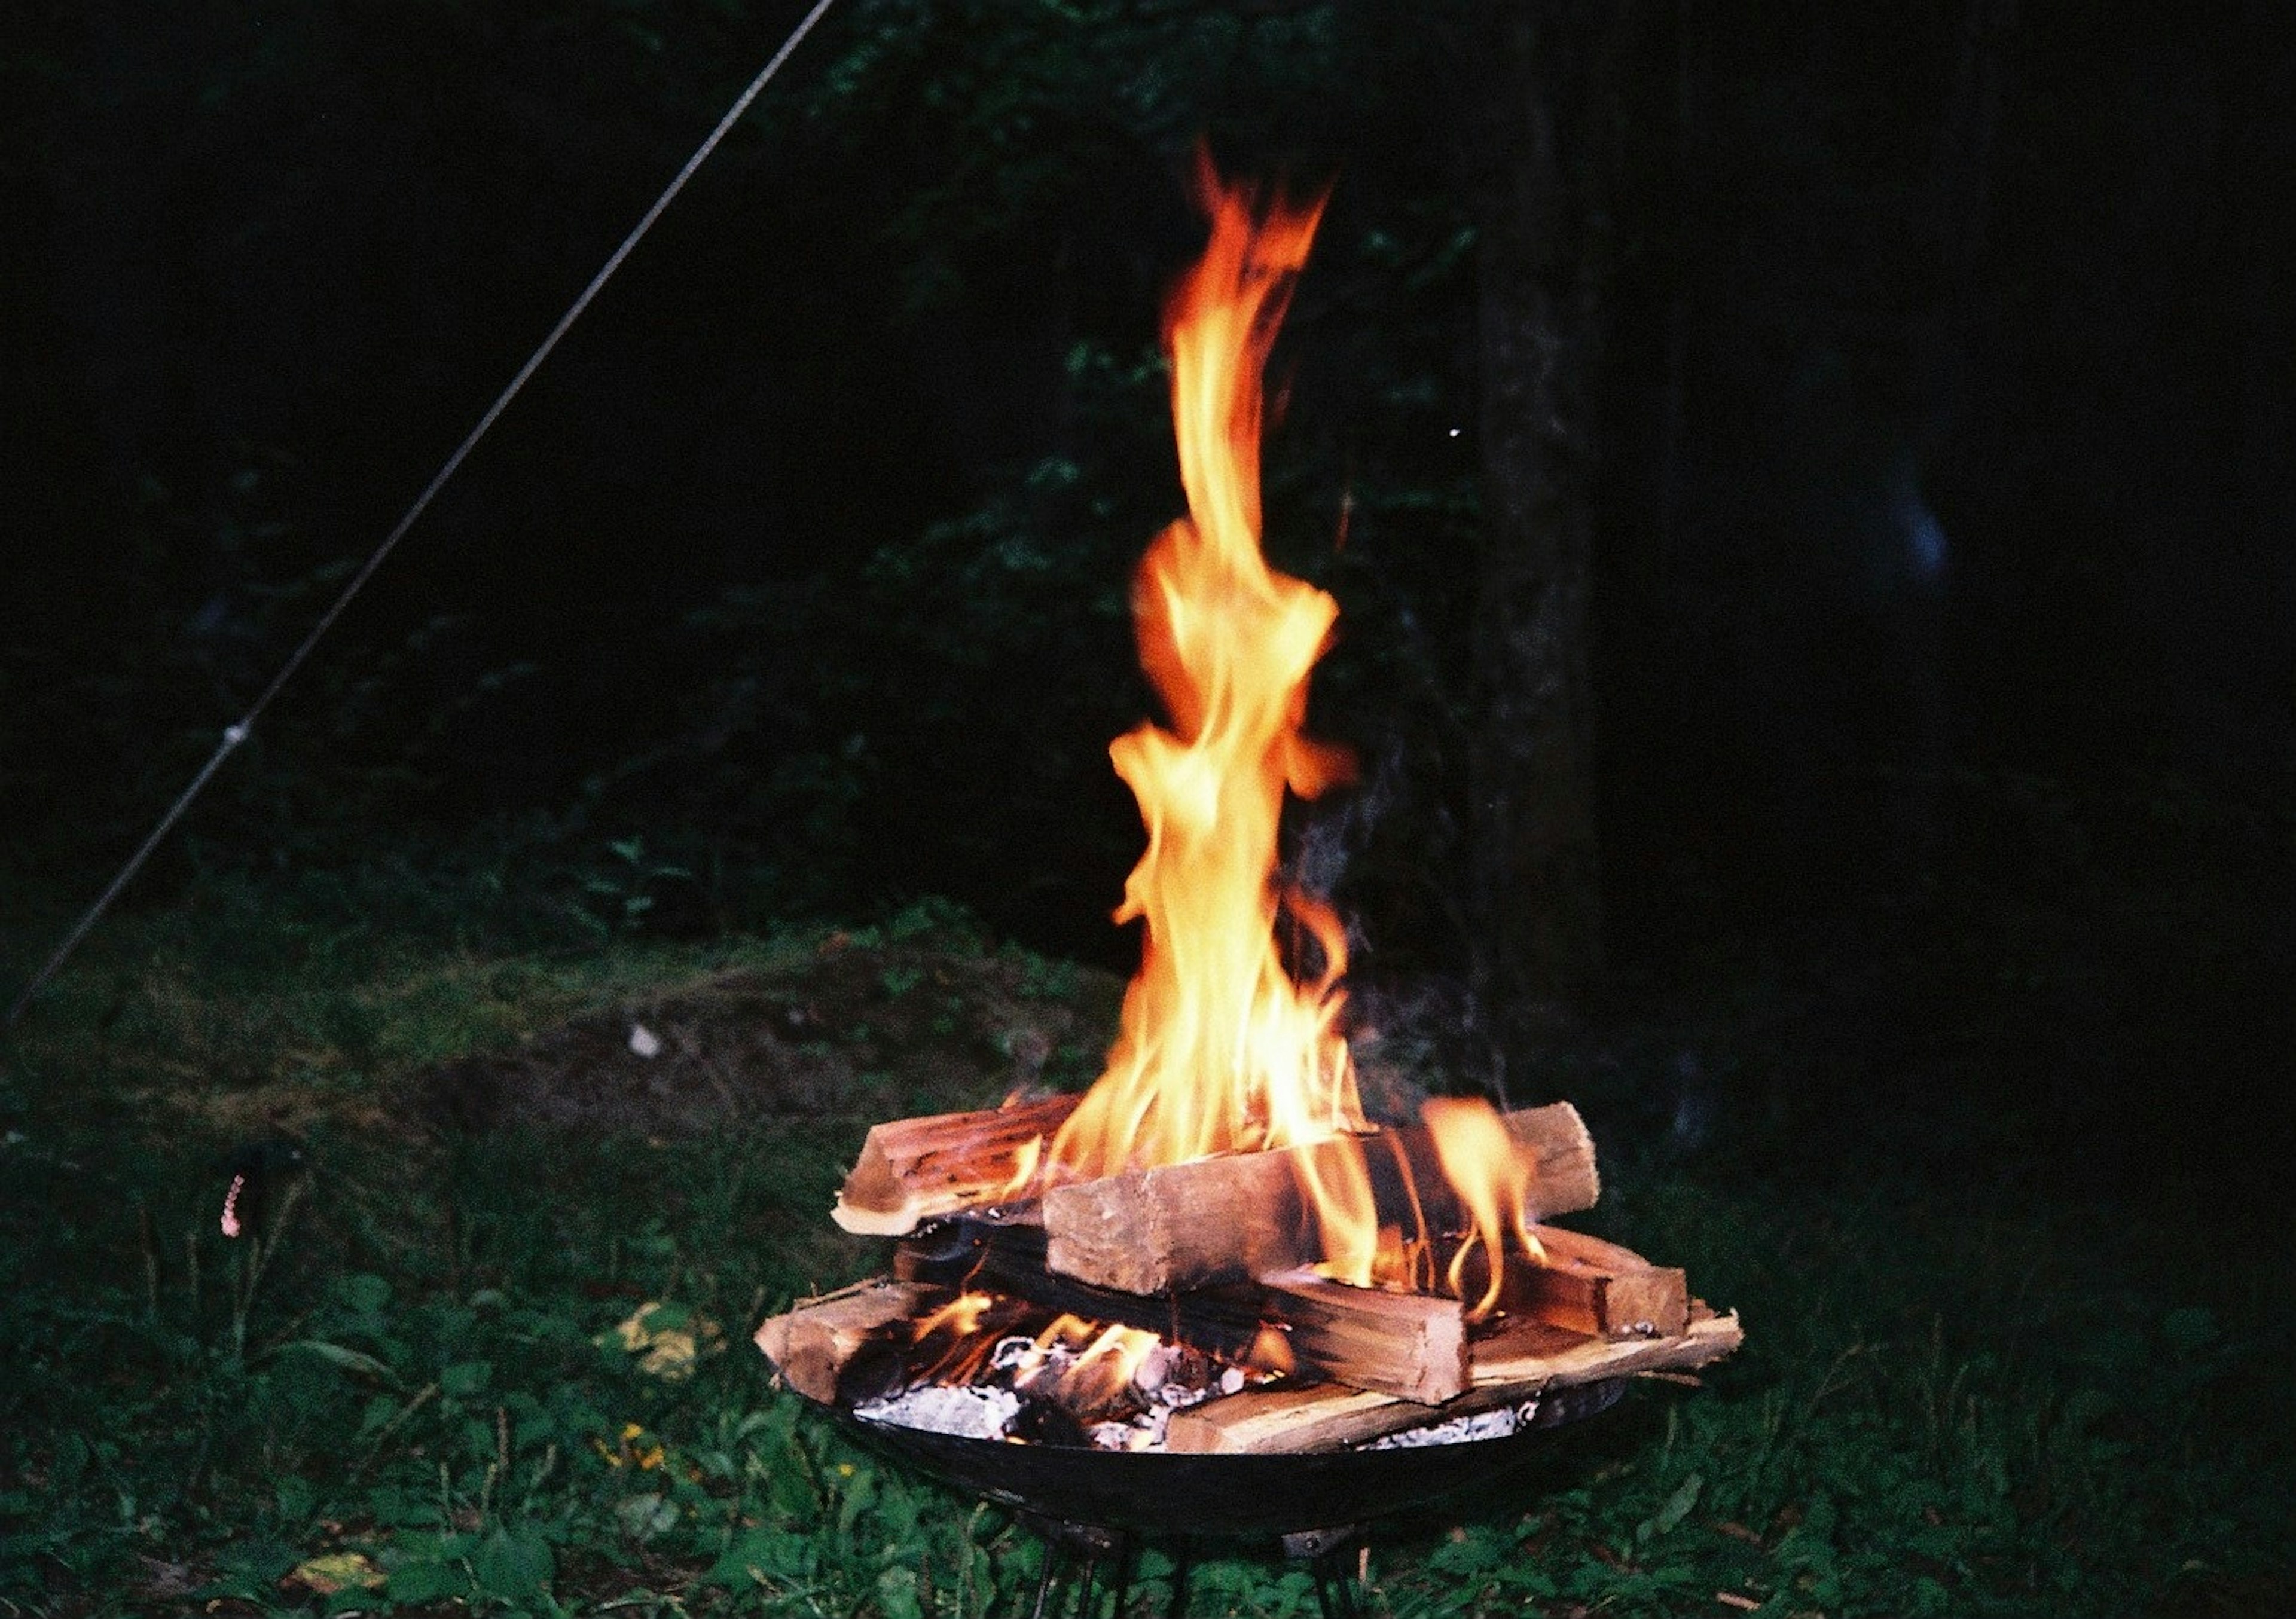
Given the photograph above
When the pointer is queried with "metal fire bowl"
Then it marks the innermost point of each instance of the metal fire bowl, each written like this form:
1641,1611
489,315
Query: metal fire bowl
1249,1495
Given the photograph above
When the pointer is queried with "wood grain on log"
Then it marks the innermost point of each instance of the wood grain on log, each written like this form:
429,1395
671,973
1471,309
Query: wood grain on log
1412,1346
914,1170
1537,1354
1586,1285
1218,1220
1406,1345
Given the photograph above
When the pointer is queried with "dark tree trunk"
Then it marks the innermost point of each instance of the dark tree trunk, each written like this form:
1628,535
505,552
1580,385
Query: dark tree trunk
1536,903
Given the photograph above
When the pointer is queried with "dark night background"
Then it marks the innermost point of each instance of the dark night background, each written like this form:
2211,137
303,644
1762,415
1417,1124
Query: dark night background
1921,416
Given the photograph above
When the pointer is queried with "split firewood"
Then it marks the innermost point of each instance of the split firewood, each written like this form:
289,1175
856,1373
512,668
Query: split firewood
1584,1284
1230,1323
1414,1347
1225,1219
1541,1355
1526,1361
817,1343
1407,1344
914,1170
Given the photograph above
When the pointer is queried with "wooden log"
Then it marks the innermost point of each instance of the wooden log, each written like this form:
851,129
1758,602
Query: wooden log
1225,1219
1406,1345
815,1342
1183,1226
1521,1364
1586,1285
1541,1355
914,1170
1230,1323
1412,1346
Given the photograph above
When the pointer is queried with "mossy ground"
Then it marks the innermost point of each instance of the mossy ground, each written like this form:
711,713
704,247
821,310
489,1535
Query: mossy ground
406,1391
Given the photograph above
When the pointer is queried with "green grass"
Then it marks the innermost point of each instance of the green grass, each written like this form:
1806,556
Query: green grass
1955,1399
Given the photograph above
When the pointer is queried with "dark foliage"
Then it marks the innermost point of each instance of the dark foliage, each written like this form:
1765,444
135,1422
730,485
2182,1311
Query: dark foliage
1939,611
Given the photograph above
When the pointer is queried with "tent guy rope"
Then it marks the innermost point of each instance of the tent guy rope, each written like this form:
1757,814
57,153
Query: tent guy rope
236,733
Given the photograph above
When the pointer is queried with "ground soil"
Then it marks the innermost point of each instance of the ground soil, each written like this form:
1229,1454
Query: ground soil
841,1031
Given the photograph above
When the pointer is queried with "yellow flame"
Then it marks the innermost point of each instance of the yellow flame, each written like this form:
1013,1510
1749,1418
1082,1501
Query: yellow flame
1492,1179
961,1316
1221,1051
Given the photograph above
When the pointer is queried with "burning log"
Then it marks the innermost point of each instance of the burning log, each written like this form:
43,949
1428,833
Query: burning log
1509,1369
1229,1076
1585,1285
1186,1225
1538,1354
914,1170
1010,1259
1411,1345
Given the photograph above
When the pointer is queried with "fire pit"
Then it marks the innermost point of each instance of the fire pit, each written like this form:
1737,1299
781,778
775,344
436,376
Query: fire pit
1227,1495
1208,1295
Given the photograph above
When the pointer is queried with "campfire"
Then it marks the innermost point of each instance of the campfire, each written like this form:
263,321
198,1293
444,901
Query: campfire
1213,1251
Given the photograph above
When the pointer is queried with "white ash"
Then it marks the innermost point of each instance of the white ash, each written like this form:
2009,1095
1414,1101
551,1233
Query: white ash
977,1412
967,1412
1145,1432
1459,1430
1019,1369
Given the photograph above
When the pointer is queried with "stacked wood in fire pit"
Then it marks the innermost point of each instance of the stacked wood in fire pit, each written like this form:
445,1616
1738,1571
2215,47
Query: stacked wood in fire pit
1182,1307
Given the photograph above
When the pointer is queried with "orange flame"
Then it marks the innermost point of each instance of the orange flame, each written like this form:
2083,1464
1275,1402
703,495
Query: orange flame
1221,1051
1493,1182
1099,1362
969,1344
961,1316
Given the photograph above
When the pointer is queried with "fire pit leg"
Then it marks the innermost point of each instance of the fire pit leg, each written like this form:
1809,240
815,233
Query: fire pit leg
1184,1564
1089,1544
1326,1552
1044,1580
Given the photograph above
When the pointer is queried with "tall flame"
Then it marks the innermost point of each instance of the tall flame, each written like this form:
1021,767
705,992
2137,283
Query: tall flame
1221,1049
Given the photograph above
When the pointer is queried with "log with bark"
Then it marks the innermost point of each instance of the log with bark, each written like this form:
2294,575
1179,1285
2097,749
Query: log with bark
1413,1347
1217,1254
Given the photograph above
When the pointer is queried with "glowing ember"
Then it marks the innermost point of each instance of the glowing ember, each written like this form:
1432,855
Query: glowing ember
1221,1051
1082,1364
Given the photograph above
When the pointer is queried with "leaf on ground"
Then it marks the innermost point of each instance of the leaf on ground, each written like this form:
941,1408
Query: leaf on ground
644,1516
336,1571
350,1360
514,1566
667,1339
1667,1518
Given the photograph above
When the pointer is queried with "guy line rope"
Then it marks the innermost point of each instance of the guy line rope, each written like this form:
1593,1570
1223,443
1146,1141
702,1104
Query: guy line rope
236,733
